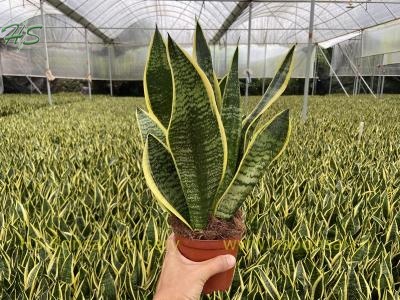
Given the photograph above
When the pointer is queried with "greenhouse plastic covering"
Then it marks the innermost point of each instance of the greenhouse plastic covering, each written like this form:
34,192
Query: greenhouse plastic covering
119,32
391,58
374,65
381,39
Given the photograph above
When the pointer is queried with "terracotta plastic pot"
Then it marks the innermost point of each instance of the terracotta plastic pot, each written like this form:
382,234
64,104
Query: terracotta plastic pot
201,250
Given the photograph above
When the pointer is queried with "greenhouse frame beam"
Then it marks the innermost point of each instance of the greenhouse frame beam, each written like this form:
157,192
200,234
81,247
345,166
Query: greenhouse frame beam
1,76
382,86
265,59
236,12
355,70
110,69
215,28
89,75
72,14
33,84
307,1
248,77
333,71
46,54
226,53
308,62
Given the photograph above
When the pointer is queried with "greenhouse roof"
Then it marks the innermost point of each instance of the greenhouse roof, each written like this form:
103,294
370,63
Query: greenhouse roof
273,22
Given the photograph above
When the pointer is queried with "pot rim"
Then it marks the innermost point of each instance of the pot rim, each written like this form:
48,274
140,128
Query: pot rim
210,244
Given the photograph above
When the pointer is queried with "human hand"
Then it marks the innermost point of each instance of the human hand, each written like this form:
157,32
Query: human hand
183,279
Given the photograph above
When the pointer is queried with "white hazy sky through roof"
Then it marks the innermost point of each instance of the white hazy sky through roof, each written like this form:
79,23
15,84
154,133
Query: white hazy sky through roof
287,22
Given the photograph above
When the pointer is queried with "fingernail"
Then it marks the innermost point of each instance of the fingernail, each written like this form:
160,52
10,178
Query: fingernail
231,260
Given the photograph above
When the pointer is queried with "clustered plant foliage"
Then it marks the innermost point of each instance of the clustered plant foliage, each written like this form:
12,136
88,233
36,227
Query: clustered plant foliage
201,155
13,104
77,220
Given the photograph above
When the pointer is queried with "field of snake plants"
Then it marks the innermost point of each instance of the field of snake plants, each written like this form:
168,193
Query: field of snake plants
78,222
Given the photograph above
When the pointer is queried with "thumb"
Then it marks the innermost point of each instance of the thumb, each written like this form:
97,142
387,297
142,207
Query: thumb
217,265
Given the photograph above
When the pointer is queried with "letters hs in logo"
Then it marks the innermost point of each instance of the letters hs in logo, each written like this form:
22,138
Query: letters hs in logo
21,34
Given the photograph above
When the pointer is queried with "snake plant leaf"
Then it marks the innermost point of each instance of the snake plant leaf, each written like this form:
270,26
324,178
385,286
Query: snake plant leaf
202,54
267,144
196,136
222,83
231,114
162,178
274,91
149,124
157,81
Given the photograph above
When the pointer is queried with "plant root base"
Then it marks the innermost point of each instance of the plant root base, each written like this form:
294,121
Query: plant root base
217,229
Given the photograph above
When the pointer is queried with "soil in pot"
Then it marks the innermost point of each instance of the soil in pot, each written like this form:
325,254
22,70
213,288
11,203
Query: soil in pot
219,238
217,229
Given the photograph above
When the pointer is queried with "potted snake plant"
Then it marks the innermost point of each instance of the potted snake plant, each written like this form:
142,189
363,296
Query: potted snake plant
201,158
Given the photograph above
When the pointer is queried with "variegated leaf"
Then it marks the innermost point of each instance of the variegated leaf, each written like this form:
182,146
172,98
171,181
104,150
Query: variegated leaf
30,275
157,81
268,285
267,144
232,119
162,178
222,83
148,124
196,135
108,286
202,54
275,89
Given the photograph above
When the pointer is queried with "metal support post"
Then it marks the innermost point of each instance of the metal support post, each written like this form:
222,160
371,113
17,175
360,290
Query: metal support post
9,5
378,88
357,84
226,53
89,76
334,73
308,62
356,71
213,59
1,77
355,88
314,85
110,69
264,68
372,82
248,54
378,85
382,85
46,53
265,58
33,85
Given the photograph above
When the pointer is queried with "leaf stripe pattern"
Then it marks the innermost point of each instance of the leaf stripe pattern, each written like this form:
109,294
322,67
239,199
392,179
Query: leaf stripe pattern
157,81
266,146
162,178
149,125
275,89
196,136
232,120
202,54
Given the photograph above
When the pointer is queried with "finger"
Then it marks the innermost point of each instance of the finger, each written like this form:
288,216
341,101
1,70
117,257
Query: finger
217,265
